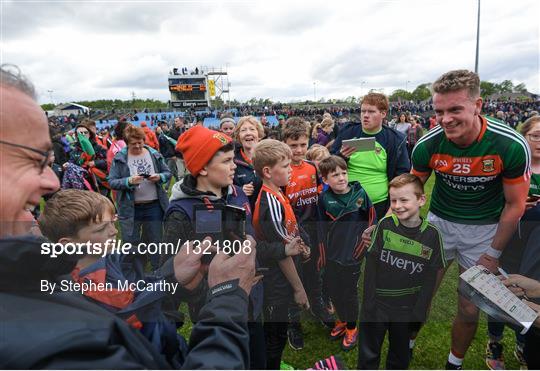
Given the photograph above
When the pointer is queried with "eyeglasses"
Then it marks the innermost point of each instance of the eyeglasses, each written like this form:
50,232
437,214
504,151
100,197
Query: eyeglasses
46,154
534,137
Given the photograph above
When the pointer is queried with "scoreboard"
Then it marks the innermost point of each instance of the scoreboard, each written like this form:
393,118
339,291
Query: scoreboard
189,91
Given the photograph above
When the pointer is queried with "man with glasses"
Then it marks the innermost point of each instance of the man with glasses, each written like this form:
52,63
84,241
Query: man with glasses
61,329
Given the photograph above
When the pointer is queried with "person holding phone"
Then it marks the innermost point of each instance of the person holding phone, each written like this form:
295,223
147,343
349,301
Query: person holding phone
137,173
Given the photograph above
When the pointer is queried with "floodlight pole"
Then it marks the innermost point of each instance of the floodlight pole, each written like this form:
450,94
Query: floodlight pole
50,95
477,39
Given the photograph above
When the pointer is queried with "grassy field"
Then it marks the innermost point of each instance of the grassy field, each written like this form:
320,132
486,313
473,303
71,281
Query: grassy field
432,344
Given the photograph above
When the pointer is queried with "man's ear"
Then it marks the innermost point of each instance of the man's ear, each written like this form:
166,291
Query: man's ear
384,113
203,172
478,106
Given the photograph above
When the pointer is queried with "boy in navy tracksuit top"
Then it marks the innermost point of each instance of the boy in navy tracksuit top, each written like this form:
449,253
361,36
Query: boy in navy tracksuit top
345,211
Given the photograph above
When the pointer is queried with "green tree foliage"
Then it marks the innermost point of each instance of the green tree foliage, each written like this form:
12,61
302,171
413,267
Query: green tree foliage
487,88
520,88
422,92
400,93
218,103
138,104
505,87
47,107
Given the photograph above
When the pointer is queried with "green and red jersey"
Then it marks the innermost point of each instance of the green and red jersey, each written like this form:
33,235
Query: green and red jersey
469,181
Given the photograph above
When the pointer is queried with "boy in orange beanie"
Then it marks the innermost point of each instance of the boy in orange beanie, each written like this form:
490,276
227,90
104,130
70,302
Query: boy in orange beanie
208,156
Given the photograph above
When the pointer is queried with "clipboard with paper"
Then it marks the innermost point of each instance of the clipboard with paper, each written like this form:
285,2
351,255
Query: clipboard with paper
489,294
360,144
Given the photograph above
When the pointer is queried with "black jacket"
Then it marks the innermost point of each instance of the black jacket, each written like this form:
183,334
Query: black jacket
64,331
166,147
175,133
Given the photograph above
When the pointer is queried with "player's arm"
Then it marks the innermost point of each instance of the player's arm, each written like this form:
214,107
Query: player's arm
514,207
423,176
516,183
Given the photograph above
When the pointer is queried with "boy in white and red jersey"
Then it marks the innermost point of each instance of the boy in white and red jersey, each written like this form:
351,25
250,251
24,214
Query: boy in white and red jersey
275,224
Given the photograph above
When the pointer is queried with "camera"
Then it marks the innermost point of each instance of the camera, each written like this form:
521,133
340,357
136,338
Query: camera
221,222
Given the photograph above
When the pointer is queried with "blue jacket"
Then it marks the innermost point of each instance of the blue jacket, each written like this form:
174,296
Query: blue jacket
125,200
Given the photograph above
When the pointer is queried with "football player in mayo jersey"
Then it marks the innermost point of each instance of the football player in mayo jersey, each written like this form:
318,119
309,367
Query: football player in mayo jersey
482,174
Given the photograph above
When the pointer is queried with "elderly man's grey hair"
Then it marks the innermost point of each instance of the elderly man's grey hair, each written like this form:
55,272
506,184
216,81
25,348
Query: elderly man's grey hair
10,75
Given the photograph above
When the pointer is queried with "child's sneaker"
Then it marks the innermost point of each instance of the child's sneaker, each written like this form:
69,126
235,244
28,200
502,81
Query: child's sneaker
295,337
350,339
494,356
518,353
339,330
451,366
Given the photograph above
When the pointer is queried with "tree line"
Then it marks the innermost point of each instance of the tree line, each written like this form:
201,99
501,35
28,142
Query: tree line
420,93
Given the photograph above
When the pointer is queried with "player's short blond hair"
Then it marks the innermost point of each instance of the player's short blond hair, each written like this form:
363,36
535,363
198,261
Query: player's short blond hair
458,80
